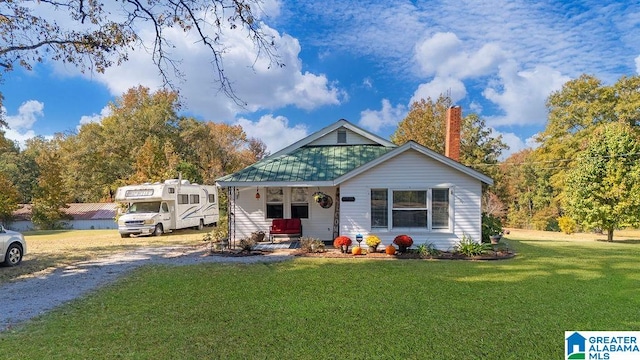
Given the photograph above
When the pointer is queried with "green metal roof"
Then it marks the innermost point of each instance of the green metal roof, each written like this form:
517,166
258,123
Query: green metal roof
309,163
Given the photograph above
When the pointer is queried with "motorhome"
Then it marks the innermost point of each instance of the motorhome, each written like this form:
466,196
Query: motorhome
157,208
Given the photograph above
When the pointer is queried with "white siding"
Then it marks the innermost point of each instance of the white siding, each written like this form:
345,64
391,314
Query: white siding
407,171
251,214
332,139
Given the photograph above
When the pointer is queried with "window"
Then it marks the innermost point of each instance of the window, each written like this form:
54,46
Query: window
164,208
212,198
379,213
275,206
183,199
410,208
195,199
299,203
172,190
342,136
440,208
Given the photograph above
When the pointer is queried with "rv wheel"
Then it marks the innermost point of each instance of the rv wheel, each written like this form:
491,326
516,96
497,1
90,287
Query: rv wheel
158,230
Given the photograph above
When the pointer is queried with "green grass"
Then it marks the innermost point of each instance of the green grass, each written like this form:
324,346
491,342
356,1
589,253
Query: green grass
350,309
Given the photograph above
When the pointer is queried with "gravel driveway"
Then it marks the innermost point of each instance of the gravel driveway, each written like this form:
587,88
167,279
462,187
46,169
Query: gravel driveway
24,299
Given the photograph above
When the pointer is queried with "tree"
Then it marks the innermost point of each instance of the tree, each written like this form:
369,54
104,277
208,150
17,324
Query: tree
9,199
603,189
426,124
94,35
50,195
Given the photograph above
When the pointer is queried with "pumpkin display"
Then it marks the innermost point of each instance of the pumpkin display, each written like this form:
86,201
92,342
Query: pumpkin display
357,250
390,250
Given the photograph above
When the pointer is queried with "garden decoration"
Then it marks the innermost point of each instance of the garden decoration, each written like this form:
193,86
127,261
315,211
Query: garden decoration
325,201
372,242
342,243
404,242
390,250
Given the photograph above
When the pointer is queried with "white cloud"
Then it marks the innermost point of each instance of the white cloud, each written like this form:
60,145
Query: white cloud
515,143
440,85
94,118
444,55
275,132
387,116
256,81
523,94
21,125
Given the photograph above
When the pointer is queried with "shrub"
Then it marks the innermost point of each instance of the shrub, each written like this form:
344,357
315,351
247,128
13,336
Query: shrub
567,224
426,250
247,244
403,241
468,247
372,242
390,250
491,225
311,245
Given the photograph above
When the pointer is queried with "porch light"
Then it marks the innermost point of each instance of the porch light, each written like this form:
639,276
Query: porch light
257,194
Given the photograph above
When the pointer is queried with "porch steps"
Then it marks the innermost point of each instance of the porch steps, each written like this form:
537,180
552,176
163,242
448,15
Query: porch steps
277,246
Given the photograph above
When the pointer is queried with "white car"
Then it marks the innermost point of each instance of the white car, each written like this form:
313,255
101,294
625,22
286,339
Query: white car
12,247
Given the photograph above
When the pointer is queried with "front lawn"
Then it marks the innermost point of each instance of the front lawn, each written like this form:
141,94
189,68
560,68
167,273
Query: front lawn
334,308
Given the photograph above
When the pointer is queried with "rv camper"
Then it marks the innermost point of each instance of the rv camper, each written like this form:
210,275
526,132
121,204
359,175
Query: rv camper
162,207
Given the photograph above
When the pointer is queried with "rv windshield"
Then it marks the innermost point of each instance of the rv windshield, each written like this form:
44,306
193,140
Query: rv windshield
144,207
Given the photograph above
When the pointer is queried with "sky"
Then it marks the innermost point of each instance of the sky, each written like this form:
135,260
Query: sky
365,61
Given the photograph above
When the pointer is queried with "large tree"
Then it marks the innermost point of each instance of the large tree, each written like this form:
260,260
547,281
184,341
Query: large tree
95,35
603,188
426,124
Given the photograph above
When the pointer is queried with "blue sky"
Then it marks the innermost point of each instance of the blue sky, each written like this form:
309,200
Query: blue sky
364,61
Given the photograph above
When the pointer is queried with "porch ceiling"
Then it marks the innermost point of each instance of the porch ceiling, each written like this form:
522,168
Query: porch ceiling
308,164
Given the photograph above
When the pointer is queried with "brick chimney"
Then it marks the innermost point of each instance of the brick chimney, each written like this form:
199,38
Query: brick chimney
452,141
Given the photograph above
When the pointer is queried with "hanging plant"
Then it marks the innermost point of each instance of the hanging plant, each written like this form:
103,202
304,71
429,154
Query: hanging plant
325,201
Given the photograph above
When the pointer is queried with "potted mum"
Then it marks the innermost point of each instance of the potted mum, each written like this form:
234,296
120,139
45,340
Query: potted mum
404,242
342,243
372,242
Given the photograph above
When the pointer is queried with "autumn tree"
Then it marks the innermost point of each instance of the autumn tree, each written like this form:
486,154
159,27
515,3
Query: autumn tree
94,35
426,124
603,188
9,199
50,195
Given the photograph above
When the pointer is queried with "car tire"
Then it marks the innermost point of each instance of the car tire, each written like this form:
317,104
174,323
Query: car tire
13,256
125,235
158,230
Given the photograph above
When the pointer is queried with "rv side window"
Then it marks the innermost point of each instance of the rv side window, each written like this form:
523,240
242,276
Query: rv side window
212,198
172,190
195,199
183,199
165,208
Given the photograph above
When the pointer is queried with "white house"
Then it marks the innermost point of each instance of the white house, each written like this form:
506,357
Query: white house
372,186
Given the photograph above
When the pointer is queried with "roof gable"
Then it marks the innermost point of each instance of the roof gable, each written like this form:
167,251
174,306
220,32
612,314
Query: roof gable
412,145
342,123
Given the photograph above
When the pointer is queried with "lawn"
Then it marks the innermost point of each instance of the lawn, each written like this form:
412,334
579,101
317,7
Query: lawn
334,308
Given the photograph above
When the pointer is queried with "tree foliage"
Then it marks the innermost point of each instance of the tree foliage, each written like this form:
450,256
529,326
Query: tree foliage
94,35
603,189
426,124
51,194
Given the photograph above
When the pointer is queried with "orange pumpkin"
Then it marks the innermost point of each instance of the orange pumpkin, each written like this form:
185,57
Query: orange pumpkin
390,250
357,250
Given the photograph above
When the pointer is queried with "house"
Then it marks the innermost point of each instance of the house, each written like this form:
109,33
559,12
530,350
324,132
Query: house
84,216
343,180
